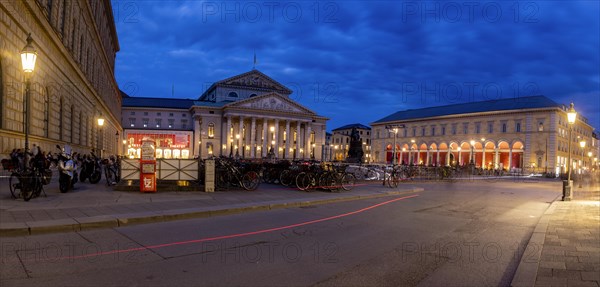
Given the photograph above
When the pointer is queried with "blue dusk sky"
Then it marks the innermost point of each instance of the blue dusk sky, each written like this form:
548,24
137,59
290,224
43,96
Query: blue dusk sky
359,61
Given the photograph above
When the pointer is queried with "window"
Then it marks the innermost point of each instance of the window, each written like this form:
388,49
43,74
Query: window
422,132
405,132
158,114
503,127
490,128
170,114
183,115
465,128
158,122
453,129
518,127
184,124
367,132
145,113
211,130
145,121
233,95
253,95
414,132
477,128
541,127
312,137
209,147
132,113
443,131
433,131
171,123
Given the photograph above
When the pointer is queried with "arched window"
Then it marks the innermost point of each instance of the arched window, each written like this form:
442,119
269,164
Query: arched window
209,147
211,130
233,95
253,95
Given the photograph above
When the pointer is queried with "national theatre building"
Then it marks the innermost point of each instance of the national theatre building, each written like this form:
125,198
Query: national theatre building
247,116
504,134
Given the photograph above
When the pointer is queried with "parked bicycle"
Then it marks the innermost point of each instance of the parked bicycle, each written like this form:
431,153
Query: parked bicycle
229,175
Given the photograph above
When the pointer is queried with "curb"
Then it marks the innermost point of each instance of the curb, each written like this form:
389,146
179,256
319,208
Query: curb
526,273
111,221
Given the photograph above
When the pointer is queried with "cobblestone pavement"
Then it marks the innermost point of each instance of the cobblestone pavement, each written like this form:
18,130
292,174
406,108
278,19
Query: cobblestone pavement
570,255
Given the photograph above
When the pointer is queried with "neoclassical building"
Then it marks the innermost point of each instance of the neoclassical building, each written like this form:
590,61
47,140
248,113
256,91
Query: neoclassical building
507,133
249,115
73,82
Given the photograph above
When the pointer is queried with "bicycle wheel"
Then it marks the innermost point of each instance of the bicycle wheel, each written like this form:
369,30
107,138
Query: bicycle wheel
348,181
285,177
15,185
250,180
303,181
110,176
324,181
28,186
393,179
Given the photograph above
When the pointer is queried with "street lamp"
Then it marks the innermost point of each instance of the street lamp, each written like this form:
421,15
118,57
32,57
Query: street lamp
100,125
571,117
28,58
582,145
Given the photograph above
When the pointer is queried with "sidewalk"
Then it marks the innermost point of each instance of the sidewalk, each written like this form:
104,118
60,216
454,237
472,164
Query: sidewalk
564,249
98,206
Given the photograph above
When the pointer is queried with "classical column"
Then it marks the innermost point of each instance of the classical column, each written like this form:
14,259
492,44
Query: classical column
253,138
437,158
240,141
509,159
448,157
265,138
298,140
228,136
307,148
276,146
483,165
460,157
427,157
497,159
197,137
286,152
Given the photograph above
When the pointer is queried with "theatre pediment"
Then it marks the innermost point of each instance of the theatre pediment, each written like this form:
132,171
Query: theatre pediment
273,102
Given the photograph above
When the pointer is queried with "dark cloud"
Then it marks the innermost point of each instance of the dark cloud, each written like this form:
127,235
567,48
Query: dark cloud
359,61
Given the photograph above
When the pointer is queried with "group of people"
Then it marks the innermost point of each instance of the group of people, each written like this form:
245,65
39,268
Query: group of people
37,158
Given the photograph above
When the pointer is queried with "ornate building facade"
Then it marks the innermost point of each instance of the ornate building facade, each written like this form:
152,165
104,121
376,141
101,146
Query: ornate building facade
505,134
73,82
247,116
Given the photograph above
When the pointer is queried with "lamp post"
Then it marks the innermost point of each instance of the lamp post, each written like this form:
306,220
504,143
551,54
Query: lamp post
582,145
100,125
571,117
392,129
28,58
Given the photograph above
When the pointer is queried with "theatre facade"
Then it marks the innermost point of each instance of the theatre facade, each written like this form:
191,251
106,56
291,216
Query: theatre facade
246,116
507,134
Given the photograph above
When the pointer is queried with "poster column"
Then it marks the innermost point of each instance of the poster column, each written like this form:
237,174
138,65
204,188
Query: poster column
148,167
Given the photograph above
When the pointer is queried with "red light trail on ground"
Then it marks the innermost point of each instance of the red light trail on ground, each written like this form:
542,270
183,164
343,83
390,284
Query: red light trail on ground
236,235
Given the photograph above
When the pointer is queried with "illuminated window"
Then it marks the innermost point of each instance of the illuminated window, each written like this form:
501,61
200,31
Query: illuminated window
211,130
